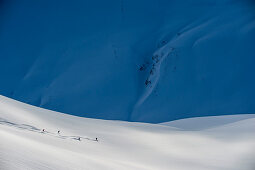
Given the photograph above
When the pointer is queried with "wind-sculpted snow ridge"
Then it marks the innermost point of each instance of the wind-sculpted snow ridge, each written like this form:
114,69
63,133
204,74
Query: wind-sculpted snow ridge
148,60
227,143
154,71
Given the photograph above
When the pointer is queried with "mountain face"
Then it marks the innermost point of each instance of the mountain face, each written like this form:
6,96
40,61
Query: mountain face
148,60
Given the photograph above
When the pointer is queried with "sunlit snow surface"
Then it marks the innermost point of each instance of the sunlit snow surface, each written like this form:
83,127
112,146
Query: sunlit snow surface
228,143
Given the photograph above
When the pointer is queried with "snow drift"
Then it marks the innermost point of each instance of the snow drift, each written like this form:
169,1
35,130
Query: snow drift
228,145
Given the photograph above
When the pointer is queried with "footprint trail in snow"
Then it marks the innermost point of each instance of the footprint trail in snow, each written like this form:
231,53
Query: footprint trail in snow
37,130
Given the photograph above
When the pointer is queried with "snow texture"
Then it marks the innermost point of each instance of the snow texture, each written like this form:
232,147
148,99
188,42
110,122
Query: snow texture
228,143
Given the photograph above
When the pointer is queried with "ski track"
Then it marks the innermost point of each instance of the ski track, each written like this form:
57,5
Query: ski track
125,146
31,128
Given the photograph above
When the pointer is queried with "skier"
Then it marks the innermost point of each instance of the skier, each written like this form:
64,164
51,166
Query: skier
96,140
79,138
43,130
58,131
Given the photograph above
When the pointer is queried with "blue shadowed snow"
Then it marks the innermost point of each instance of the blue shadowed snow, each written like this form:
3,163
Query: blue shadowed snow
147,60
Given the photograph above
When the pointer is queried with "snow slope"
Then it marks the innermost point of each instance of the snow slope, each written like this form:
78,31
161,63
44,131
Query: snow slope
206,122
121,145
92,58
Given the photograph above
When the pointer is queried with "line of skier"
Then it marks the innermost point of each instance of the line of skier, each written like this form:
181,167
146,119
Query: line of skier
79,138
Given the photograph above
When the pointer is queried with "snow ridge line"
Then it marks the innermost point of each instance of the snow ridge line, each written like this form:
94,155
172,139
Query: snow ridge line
154,74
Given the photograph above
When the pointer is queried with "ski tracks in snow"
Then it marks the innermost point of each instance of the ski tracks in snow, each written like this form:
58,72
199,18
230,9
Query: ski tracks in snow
37,130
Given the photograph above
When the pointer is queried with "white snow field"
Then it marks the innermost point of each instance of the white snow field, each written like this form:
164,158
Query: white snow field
229,145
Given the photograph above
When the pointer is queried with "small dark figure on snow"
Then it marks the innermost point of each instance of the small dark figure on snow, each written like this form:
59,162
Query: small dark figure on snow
142,67
151,72
43,130
147,82
96,140
79,138
58,131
